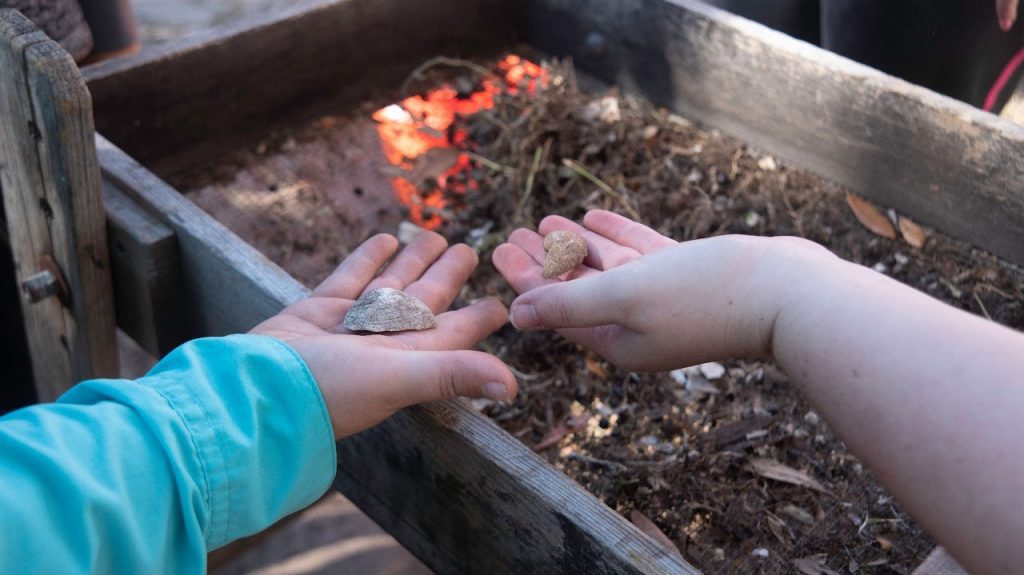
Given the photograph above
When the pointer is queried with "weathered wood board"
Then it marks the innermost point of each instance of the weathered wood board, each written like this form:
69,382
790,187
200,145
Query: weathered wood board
446,482
144,263
941,162
54,213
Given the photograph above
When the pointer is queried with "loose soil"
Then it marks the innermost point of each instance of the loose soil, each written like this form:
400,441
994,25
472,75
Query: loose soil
676,447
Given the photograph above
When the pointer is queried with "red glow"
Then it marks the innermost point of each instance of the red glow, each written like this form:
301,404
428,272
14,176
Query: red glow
419,123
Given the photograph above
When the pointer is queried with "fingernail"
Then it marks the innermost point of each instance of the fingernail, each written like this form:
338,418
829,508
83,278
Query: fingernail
496,391
1006,24
524,317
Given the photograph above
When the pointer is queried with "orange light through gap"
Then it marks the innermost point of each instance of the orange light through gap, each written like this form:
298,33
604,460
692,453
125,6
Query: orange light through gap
420,123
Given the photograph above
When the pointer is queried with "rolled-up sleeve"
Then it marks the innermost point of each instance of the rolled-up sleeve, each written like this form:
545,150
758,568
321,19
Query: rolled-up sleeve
222,438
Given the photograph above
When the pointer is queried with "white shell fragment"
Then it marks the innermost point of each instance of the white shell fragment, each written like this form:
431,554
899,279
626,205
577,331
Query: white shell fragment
565,250
387,309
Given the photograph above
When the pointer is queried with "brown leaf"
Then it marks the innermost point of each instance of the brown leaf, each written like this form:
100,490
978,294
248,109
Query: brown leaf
560,431
772,469
813,565
594,366
912,232
648,527
884,543
431,164
871,217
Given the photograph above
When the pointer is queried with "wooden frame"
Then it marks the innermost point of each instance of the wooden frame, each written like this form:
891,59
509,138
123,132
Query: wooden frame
446,482
53,210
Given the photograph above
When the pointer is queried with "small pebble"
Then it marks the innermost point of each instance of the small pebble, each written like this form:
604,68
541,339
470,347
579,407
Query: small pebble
387,310
712,370
760,553
565,250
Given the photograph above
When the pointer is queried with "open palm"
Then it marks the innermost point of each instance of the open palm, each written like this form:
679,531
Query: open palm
366,378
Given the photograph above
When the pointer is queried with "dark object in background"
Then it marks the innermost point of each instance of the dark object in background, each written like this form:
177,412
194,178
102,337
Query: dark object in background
113,27
62,20
90,30
954,47
16,389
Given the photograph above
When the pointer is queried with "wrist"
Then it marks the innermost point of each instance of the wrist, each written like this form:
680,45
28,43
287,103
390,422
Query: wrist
790,274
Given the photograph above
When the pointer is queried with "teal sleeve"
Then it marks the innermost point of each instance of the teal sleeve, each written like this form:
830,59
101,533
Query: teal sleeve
222,438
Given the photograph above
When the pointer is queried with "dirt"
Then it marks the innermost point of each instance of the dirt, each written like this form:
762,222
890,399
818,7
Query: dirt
678,447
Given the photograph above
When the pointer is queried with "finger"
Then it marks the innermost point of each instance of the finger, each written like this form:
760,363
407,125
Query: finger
518,268
326,313
586,302
461,329
440,284
530,242
602,253
358,269
411,262
1007,11
626,232
435,375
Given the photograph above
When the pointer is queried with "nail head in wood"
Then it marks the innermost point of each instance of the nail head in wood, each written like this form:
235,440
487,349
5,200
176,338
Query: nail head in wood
41,286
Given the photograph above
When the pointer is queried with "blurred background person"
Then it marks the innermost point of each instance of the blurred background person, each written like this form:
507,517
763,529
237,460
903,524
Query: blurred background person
971,50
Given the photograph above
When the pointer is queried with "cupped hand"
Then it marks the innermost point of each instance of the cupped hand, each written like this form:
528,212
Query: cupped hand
366,378
1007,11
648,303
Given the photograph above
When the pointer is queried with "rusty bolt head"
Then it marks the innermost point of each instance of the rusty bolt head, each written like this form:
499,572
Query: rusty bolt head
41,286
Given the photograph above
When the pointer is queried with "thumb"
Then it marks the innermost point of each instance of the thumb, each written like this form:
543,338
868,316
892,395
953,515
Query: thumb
584,302
1007,10
434,375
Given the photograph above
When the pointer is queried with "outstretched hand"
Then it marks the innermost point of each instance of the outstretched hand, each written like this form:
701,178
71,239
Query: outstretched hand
366,378
648,303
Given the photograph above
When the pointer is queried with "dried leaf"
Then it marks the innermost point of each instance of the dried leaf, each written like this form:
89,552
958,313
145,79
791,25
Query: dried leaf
871,217
560,431
813,565
429,165
648,527
594,367
884,543
772,469
912,233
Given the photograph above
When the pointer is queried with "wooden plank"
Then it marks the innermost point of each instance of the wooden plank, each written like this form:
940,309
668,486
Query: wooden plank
144,264
457,491
55,224
225,284
939,161
27,234
175,105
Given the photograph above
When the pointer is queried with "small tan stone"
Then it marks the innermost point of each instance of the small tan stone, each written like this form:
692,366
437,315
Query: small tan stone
387,309
565,250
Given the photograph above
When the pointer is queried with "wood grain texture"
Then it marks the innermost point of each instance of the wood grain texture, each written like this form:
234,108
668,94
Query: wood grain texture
50,181
942,162
176,105
20,181
457,491
227,286
144,263
465,497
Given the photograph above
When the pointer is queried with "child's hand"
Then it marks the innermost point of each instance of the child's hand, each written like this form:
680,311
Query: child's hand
365,379
646,302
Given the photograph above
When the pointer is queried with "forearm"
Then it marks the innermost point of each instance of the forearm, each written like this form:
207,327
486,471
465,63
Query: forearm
928,396
222,438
